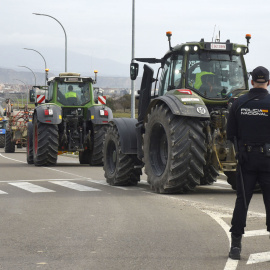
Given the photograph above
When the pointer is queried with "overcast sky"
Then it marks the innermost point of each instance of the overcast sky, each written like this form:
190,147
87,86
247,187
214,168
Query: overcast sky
101,29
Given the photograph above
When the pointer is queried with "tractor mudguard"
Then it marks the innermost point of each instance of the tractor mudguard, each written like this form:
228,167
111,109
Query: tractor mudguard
55,118
127,133
178,108
96,114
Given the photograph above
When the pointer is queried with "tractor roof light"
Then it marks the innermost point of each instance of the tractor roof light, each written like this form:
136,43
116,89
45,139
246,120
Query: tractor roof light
46,69
186,48
169,34
248,37
195,48
238,50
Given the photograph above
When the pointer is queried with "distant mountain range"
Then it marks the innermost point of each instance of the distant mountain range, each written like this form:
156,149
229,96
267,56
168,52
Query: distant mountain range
10,76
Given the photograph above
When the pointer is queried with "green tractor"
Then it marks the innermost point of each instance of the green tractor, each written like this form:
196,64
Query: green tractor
66,119
180,134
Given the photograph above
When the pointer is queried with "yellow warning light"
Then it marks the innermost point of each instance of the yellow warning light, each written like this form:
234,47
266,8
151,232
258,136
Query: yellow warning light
46,69
168,33
95,71
248,35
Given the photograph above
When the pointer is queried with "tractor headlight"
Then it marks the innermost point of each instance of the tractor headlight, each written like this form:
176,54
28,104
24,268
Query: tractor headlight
186,48
238,50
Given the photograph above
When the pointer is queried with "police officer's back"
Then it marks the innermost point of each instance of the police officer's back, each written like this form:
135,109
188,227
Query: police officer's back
249,122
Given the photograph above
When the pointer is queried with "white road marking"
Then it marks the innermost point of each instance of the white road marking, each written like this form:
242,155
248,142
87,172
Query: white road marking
259,258
31,187
256,233
44,180
74,186
2,192
101,182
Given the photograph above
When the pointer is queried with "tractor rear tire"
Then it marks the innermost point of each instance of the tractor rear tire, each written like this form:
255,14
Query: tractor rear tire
174,151
119,168
2,140
45,143
84,157
96,155
9,144
29,152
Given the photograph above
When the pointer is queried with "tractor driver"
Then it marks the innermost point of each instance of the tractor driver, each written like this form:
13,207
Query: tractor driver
205,70
71,96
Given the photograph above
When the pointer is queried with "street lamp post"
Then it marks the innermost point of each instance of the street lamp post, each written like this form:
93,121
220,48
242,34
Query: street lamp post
65,36
26,90
132,57
32,72
44,62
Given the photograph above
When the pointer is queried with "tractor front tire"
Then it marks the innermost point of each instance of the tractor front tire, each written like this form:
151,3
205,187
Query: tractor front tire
174,151
84,157
29,152
2,140
9,144
119,168
96,155
45,143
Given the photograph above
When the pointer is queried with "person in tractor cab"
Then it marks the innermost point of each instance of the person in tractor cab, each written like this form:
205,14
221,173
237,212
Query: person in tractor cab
71,96
205,71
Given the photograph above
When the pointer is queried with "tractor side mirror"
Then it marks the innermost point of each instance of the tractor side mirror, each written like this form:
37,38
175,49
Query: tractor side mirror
32,96
134,70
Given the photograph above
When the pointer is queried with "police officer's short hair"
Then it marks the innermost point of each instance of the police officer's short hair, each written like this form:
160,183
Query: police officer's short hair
70,88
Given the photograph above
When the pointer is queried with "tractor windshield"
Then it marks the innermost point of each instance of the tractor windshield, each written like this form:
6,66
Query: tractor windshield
215,75
74,94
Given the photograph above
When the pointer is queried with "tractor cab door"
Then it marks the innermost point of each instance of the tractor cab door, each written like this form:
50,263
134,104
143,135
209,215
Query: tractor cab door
145,91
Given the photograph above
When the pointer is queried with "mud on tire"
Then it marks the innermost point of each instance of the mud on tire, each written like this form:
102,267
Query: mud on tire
9,144
118,167
45,143
97,145
174,151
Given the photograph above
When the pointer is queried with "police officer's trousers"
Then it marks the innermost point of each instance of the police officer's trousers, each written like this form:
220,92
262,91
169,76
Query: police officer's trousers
255,168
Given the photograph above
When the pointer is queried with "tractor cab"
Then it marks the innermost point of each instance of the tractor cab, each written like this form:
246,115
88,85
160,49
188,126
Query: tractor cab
212,70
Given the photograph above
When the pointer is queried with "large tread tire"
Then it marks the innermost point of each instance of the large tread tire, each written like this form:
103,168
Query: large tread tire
119,168
210,175
174,151
45,143
29,147
96,155
9,144
2,140
84,157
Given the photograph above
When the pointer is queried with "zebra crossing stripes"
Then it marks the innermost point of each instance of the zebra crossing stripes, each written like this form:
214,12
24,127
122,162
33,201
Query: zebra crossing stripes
31,187
2,192
74,186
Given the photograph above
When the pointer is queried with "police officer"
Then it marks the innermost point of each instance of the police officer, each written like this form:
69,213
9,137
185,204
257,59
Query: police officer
249,122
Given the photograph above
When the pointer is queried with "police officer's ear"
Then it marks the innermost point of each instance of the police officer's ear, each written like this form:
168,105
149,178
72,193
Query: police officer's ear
268,82
252,82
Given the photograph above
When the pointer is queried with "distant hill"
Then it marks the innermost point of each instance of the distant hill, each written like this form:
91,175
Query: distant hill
10,76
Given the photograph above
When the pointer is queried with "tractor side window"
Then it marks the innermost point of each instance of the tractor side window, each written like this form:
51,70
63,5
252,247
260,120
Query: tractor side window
50,92
165,78
177,71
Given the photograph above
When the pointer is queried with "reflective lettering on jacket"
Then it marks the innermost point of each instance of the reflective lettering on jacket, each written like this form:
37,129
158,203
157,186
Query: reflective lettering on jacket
258,112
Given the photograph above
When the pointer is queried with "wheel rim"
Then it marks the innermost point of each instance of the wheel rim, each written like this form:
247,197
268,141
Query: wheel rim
111,156
158,149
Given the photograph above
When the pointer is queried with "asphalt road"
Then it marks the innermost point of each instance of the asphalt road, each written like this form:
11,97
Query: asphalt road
67,217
